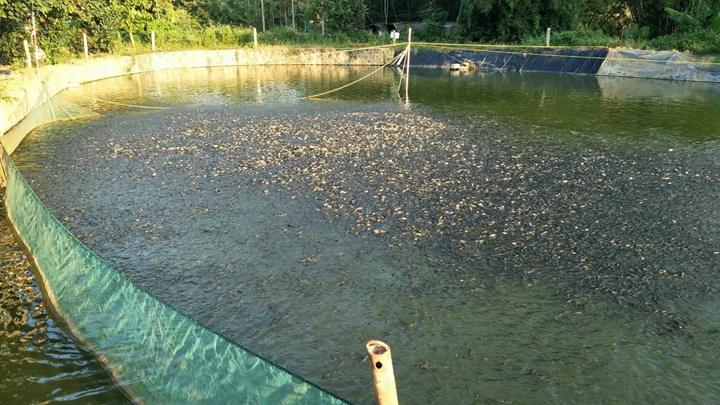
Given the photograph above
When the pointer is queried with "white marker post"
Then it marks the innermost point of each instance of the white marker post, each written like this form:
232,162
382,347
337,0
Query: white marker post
152,40
255,43
547,38
28,57
132,41
85,47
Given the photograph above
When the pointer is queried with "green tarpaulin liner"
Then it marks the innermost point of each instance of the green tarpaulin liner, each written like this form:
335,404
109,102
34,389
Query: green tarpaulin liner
156,354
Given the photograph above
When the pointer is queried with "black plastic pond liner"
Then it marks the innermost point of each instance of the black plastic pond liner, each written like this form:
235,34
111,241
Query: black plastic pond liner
580,61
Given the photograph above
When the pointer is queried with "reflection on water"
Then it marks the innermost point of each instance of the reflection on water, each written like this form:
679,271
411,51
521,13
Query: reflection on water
519,238
39,363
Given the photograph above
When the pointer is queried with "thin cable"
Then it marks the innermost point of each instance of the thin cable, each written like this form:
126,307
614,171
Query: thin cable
351,83
472,45
147,107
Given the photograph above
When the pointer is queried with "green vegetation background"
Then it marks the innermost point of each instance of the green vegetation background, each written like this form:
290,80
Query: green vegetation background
124,26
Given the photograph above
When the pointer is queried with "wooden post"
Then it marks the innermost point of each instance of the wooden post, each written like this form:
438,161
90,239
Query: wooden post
28,57
382,372
255,43
152,40
407,71
547,38
85,47
132,40
35,47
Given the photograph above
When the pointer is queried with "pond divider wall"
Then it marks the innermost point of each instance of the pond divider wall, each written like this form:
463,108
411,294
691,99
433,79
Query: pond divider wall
668,65
665,65
579,61
155,353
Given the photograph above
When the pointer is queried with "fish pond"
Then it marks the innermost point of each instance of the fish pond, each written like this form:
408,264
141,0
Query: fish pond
524,238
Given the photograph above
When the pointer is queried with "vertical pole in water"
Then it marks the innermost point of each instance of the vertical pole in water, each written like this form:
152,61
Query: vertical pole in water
407,72
547,38
28,57
85,47
382,372
35,47
152,40
255,37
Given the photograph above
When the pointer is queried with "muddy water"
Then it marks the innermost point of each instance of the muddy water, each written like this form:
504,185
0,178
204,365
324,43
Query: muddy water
515,238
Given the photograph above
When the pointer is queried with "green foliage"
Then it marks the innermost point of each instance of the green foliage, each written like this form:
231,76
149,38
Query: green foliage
575,38
289,36
284,35
240,12
434,18
339,15
685,22
511,20
715,22
176,28
704,41
635,33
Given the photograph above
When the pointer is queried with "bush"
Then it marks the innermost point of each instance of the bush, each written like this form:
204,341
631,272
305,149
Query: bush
209,37
433,22
705,41
289,36
241,36
283,35
575,38
178,28
635,33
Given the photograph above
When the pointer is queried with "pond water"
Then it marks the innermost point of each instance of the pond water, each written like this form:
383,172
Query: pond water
513,237
39,362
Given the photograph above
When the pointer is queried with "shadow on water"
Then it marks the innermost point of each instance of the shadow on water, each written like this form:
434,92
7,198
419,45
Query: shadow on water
514,237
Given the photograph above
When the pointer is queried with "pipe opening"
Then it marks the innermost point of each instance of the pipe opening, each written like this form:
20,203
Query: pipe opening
376,348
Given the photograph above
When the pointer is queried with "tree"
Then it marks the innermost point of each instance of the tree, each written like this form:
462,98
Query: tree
664,16
433,18
338,15
512,20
